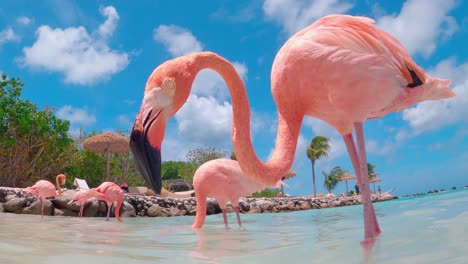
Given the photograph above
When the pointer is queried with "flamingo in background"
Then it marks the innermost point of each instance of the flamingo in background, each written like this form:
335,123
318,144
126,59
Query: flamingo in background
341,69
44,189
81,197
110,192
223,180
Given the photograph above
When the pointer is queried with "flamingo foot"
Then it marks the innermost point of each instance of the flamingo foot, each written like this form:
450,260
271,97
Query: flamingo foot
238,216
225,217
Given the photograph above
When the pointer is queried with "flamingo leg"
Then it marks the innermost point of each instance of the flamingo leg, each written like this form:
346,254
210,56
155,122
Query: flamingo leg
109,206
80,215
42,206
365,196
225,217
238,216
365,178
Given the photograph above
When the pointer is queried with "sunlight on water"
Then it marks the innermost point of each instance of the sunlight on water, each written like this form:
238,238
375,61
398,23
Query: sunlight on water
431,229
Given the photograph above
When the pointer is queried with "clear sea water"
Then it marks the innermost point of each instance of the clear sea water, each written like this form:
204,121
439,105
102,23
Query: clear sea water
429,229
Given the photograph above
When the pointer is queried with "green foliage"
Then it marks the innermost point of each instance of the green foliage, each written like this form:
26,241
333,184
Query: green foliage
202,155
233,156
370,170
352,192
317,149
33,144
332,178
267,192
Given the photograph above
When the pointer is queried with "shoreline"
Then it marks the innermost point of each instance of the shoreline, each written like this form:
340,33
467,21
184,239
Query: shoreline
13,201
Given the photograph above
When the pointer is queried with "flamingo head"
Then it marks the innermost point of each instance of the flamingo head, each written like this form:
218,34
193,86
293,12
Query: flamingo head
167,89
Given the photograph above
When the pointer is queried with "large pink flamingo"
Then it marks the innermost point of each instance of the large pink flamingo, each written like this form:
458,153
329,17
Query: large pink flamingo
44,189
223,180
81,197
341,69
110,193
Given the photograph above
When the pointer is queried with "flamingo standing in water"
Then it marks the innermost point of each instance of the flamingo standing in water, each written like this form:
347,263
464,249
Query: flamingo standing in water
110,192
44,189
230,184
341,69
81,197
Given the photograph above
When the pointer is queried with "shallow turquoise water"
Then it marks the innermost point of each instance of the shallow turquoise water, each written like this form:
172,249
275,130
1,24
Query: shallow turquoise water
431,229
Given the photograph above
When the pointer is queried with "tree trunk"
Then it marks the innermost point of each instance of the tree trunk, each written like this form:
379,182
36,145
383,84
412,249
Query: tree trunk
313,177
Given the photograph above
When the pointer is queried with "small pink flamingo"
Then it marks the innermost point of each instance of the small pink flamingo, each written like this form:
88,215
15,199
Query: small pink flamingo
81,197
223,180
111,192
44,189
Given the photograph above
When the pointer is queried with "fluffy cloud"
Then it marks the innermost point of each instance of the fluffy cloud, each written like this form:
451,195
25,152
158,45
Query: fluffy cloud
321,128
297,14
83,58
432,115
7,35
205,120
420,24
78,117
24,20
177,40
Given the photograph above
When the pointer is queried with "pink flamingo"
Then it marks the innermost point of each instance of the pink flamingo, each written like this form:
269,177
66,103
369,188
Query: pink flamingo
341,69
110,192
81,197
230,182
44,189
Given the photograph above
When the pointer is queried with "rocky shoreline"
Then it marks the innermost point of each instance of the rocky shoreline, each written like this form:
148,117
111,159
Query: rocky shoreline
13,201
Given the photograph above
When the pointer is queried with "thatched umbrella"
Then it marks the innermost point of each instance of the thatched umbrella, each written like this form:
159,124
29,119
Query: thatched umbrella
107,143
290,174
373,180
345,177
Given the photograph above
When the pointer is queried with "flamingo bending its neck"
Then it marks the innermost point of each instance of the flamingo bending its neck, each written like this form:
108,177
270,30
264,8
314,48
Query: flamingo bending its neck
81,197
44,189
223,180
110,193
341,69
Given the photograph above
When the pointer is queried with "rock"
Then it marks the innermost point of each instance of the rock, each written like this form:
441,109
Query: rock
62,200
173,211
453,188
1,207
324,205
3,194
91,208
212,206
305,206
244,206
68,212
154,210
127,210
266,205
12,196
15,205
255,211
35,208
58,212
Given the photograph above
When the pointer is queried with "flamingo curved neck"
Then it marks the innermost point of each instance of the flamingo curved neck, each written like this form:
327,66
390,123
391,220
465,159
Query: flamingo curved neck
57,181
272,171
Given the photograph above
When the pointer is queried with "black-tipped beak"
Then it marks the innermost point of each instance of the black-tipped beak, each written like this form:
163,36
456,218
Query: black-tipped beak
148,159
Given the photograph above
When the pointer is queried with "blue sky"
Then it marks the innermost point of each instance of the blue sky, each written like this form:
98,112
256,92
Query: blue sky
90,60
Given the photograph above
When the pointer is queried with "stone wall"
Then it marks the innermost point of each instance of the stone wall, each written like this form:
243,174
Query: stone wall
13,201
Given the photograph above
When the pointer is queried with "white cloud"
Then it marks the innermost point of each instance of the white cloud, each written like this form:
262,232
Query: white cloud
112,17
76,116
374,148
206,121
125,121
293,15
23,20
432,115
82,58
177,40
7,35
420,24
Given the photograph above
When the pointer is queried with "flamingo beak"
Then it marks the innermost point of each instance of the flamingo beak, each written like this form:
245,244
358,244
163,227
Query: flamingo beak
146,147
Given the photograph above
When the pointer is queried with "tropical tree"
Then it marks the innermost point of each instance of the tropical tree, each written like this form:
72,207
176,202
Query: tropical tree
33,143
317,149
332,178
370,170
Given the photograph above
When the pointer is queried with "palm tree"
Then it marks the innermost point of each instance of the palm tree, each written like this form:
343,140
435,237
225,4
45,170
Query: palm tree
332,178
317,149
370,170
